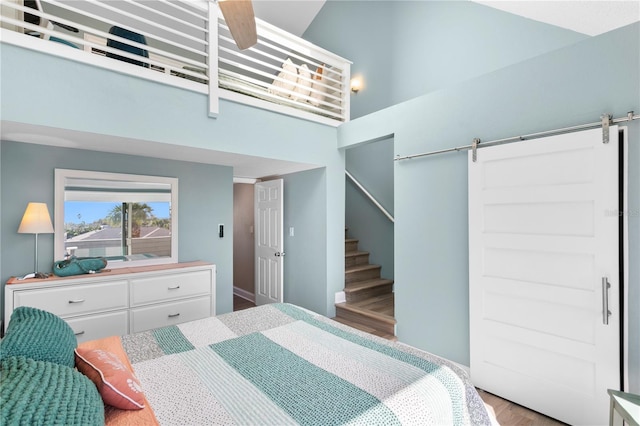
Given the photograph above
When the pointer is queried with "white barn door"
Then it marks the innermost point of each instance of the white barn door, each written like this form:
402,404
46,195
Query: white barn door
543,253
269,245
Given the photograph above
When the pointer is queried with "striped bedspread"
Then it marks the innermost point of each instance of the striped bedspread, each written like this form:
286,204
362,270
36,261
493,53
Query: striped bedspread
283,365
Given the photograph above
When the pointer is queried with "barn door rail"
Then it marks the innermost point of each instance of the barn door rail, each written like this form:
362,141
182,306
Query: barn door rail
604,122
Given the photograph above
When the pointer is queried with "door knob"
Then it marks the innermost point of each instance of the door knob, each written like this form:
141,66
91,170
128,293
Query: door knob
278,254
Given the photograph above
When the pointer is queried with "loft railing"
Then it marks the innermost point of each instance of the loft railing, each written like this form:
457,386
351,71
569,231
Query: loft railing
186,43
169,38
284,71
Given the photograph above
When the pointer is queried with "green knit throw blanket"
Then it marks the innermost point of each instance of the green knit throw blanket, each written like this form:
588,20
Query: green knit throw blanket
39,335
44,393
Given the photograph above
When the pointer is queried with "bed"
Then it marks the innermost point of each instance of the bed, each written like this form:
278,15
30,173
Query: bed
277,364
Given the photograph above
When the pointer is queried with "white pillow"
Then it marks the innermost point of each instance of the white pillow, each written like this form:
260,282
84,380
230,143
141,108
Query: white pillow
286,80
318,87
303,84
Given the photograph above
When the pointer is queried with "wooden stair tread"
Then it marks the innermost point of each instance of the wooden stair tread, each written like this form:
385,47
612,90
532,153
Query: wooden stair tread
366,329
355,308
357,268
355,253
361,285
382,304
359,326
369,304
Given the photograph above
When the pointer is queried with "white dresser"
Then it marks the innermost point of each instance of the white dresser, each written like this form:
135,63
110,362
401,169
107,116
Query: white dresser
120,301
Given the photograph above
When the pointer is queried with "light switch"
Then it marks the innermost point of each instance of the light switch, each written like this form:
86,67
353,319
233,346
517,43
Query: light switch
291,231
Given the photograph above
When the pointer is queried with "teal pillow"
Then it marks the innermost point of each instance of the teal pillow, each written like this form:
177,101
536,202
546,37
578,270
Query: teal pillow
44,393
39,335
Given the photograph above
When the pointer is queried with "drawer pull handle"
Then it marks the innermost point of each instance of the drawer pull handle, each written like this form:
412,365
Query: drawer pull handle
79,333
174,288
174,315
76,301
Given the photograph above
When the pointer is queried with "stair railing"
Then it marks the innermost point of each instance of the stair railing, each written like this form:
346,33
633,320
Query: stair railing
369,196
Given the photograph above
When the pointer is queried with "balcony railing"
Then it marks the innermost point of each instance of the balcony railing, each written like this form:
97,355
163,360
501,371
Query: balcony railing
186,44
283,72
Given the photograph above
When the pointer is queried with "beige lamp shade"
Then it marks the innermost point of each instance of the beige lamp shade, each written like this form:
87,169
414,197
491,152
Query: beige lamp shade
36,220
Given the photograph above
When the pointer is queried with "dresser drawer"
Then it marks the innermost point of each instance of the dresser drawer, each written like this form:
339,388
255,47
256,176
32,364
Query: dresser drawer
76,299
93,327
170,287
169,314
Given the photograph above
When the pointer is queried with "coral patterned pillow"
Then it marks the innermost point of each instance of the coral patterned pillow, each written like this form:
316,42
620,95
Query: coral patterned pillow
116,384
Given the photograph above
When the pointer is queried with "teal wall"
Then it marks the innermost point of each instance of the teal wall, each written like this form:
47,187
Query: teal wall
64,94
205,199
371,164
304,200
70,95
569,86
405,49
452,62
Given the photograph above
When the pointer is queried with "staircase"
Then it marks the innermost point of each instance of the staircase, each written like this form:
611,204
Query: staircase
369,306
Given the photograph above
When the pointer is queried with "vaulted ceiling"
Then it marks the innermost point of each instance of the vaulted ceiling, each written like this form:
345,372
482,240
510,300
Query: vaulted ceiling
586,17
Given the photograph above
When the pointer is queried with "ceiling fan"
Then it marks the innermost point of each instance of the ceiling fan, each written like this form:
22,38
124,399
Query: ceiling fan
239,16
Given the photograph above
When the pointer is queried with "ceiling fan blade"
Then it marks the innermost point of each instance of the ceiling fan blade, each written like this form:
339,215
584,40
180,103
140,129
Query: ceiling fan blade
238,14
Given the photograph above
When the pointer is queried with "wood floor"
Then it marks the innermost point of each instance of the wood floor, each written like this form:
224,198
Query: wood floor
507,413
381,306
239,303
369,302
511,414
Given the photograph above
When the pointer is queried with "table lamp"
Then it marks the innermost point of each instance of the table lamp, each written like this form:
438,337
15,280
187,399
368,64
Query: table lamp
36,220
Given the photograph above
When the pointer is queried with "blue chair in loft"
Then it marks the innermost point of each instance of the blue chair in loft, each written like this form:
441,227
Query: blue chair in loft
129,35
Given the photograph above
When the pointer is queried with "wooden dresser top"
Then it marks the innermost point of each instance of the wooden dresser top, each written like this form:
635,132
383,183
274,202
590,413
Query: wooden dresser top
111,272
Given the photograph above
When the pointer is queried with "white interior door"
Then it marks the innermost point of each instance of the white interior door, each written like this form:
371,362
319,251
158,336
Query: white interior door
543,247
269,245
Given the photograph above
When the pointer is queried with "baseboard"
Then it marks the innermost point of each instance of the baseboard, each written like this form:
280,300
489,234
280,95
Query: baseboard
340,297
237,291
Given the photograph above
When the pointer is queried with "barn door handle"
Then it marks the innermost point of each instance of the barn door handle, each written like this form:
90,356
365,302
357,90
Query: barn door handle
606,313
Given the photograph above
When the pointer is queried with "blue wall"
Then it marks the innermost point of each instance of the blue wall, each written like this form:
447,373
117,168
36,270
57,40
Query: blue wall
205,199
359,31
405,49
304,200
65,94
372,165
60,93
561,88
